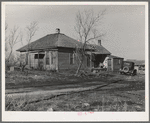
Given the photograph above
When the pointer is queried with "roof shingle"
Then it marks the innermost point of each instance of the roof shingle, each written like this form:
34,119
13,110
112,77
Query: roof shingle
58,40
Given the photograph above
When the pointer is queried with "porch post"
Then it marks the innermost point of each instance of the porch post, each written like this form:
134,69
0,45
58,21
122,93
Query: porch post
34,61
45,61
49,60
38,60
56,60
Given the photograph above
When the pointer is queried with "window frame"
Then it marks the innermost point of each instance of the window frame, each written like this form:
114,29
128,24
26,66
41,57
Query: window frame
71,58
39,56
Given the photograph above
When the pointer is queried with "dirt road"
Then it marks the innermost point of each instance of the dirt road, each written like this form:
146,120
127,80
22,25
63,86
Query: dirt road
33,92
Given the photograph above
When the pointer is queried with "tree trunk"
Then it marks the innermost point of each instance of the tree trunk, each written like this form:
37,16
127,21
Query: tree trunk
82,59
79,67
9,56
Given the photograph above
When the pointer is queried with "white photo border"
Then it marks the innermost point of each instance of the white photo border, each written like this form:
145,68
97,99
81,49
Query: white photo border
73,116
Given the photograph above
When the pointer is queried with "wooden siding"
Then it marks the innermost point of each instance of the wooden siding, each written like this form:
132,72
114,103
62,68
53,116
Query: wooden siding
61,60
64,61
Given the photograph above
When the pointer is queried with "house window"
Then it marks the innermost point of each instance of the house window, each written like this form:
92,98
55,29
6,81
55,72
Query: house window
71,58
39,56
47,58
88,62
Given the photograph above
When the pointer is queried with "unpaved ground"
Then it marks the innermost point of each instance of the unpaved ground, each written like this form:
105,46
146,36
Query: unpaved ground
101,93
54,92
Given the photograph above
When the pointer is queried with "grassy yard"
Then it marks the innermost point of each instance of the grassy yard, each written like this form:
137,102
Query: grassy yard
18,79
126,95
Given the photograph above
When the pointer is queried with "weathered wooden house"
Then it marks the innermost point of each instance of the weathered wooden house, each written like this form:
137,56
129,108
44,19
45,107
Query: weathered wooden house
56,51
113,63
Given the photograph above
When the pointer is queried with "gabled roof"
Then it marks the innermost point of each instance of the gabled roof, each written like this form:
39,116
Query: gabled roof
58,40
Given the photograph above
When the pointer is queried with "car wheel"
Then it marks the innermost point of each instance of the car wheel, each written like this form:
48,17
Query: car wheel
126,69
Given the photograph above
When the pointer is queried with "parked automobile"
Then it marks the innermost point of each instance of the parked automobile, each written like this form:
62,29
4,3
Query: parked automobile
128,68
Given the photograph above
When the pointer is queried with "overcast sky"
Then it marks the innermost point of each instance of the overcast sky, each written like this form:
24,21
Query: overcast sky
124,24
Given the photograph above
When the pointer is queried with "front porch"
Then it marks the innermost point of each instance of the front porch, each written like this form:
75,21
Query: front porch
43,60
54,60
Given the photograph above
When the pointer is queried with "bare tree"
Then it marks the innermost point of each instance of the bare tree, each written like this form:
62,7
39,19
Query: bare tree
11,41
31,29
6,45
86,28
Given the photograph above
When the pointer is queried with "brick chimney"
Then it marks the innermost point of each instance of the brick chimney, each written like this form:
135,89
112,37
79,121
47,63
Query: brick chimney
57,30
99,42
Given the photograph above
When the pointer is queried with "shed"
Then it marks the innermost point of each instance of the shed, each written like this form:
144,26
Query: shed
113,63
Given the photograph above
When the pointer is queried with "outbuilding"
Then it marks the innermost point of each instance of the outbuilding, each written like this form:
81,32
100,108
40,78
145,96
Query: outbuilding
113,63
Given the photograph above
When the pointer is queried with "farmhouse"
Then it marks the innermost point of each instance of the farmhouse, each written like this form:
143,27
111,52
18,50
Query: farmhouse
57,51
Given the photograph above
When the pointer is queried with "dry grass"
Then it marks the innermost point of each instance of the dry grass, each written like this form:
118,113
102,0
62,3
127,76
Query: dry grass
109,98
18,79
97,100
